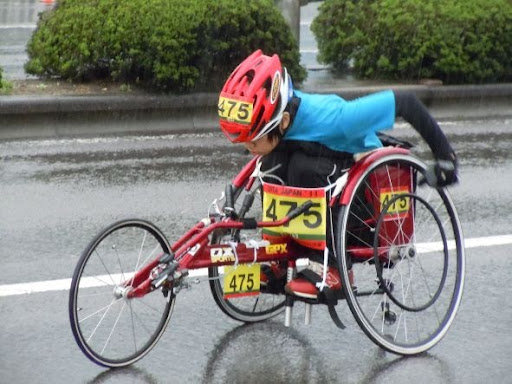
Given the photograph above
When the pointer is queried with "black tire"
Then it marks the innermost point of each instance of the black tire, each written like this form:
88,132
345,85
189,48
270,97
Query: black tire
248,309
404,246
111,329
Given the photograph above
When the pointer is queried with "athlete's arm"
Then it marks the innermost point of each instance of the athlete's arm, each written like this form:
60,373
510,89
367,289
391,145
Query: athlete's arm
410,108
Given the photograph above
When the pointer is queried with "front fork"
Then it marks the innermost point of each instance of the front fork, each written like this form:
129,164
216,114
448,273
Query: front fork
151,277
139,285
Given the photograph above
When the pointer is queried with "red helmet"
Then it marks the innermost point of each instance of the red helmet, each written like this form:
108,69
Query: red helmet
254,97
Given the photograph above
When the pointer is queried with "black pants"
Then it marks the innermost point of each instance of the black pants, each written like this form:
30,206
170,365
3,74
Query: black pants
309,165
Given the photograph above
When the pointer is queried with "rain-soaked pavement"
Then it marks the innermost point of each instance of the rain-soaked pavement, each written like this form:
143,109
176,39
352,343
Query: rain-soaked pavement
57,194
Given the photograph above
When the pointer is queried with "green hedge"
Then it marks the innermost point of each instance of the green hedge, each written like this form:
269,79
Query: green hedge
5,86
169,45
453,40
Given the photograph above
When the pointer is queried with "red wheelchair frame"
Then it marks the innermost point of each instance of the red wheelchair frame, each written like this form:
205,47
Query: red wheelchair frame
193,252
384,248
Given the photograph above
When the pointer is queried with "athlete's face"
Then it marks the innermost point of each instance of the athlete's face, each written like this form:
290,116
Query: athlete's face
264,145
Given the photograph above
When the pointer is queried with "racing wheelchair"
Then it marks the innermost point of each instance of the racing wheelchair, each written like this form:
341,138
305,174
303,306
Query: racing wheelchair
398,244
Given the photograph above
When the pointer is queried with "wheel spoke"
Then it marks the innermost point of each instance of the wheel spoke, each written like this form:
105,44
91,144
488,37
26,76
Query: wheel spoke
119,262
104,266
113,328
107,308
133,326
419,278
118,339
138,257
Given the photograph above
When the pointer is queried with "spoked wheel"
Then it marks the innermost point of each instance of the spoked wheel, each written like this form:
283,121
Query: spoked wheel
249,308
112,329
403,242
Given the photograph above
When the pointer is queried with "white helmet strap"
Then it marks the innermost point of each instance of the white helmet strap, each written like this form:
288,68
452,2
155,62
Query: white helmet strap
285,94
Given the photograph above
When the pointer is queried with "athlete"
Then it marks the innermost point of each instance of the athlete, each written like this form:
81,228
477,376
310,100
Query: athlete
309,140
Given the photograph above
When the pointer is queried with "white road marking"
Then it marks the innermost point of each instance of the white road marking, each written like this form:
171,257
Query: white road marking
65,284
96,281
18,26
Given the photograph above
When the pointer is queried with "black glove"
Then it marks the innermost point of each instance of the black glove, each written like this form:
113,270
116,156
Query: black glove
443,173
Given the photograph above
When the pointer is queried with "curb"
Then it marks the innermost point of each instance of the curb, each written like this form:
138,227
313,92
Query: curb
55,116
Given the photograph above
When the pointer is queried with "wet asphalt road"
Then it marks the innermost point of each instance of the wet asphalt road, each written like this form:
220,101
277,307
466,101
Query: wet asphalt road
57,194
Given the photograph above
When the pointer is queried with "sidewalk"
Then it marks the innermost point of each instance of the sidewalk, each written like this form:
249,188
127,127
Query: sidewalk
51,116
45,115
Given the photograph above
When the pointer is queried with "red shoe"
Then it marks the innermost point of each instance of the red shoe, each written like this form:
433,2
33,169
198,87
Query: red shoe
272,277
304,288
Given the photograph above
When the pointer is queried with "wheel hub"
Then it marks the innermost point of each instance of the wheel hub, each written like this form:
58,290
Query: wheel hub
121,292
397,253
408,251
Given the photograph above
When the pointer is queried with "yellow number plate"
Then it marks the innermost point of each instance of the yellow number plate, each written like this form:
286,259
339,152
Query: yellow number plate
400,206
244,280
237,110
309,228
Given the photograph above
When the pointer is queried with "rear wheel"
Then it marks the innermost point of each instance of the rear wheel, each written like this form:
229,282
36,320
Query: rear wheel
403,243
249,308
111,329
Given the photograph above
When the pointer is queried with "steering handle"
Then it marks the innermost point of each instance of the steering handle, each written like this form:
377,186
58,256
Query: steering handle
299,210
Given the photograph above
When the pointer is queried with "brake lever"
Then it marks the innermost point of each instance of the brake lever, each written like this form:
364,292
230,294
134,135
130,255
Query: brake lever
229,208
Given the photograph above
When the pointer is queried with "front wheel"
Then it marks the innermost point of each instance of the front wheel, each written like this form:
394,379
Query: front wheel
403,243
112,329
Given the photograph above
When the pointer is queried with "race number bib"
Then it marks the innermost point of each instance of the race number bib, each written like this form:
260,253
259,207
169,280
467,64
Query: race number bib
238,110
399,207
309,228
244,280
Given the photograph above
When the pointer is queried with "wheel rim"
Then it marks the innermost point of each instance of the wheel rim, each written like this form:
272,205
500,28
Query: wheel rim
427,288
112,329
246,309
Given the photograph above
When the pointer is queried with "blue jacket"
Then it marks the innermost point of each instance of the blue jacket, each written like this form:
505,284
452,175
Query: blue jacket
347,126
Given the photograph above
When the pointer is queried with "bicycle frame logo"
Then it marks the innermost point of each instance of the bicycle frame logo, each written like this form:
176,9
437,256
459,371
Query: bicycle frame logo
221,255
276,249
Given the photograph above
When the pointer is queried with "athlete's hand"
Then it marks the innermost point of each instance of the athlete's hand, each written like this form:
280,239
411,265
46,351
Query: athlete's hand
443,173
